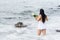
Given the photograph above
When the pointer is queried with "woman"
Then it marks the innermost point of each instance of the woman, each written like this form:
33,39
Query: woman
42,18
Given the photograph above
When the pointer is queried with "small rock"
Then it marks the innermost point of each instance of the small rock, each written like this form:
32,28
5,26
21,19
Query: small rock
58,5
20,24
57,30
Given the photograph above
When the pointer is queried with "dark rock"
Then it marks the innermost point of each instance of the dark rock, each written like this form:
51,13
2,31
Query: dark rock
20,24
58,5
57,30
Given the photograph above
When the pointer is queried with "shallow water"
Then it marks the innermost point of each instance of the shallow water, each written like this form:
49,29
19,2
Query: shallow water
13,11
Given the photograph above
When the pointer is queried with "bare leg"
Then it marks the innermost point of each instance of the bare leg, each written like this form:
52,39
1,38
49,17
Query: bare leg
39,32
44,32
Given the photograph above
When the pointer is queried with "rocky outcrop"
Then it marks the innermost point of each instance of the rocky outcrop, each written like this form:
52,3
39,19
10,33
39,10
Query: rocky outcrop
58,5
20,25
57,30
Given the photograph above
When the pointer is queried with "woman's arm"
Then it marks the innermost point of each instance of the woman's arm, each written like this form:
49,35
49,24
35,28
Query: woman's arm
38,18
46,18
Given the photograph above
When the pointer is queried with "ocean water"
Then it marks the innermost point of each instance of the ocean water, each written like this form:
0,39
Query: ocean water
13,11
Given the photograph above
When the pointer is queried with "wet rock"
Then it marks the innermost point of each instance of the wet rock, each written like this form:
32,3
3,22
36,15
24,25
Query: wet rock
58,5
57,30
20,25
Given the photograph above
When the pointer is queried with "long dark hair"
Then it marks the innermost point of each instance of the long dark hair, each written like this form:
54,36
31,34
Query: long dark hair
43,15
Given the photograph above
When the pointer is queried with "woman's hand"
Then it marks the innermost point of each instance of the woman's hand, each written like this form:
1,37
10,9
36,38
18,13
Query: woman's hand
38,18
